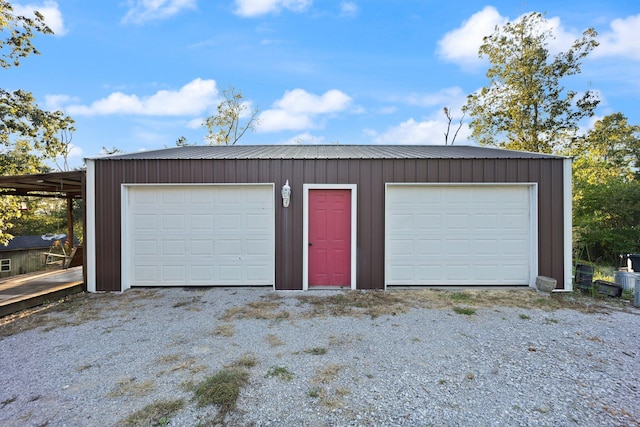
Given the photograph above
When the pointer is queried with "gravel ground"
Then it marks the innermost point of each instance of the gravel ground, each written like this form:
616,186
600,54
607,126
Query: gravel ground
97,359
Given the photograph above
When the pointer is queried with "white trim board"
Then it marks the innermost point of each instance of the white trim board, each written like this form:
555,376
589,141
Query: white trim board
90,232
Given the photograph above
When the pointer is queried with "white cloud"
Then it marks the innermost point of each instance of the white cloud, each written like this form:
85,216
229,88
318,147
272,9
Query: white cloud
461,45
195,123
621,40
251,8
304,138
349,9
192,99
57,102
277,120
411,132
302,102
48,9
452,97
141,11
297,109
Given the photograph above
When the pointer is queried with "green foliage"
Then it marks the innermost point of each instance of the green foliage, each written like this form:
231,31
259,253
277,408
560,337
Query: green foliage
464,310
232,121
154,414
606,179
279,372
524,107
21,29
222,388
16,159
29,135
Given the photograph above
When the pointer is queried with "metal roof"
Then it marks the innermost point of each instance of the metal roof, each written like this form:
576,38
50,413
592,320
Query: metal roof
31,242
54,184
303,152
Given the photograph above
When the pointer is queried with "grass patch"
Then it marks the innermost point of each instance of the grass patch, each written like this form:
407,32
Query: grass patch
246,361
169,358
189,364
373,303
460,296
72,310
222,389
467,311
327,374
279,372
627,295
330,399
225,330
156,414
131,387
269,310
315,393
316,351
524,317
273,340
187,302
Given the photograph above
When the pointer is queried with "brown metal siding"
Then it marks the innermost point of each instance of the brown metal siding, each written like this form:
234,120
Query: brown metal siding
370,175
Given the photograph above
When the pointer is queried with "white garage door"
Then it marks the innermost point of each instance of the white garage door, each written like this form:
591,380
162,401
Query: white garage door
199,235
459,235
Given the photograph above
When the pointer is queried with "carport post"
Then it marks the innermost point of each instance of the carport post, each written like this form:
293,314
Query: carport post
70,237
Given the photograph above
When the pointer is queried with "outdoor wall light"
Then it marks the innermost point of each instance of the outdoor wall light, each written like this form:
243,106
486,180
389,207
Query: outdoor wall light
286,194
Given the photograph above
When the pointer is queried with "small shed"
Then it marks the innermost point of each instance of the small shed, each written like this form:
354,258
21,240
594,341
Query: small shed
25,254
328,216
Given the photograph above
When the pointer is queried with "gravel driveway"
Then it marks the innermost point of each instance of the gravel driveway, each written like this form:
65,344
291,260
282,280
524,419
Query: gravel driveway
396,358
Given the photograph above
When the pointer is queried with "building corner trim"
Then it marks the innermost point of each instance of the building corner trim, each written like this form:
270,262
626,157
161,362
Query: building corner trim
91,226
568,224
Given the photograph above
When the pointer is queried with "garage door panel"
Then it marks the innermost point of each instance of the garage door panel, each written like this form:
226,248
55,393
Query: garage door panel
202,274
145,222
463,235
202,247
145,274
200,235
485,248
173,273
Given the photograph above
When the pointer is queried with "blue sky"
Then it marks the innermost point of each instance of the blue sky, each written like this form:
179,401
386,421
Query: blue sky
139,74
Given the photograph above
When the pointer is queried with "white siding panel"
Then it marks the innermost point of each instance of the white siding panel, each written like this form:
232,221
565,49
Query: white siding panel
200,235
458,235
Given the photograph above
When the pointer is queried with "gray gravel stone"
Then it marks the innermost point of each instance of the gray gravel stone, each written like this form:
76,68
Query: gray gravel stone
424,367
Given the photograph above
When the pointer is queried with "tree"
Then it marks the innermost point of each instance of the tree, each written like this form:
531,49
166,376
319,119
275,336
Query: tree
28,134
447,114
525,107
232,121
607,189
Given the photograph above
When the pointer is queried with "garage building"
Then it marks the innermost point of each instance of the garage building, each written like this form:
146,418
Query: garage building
359,217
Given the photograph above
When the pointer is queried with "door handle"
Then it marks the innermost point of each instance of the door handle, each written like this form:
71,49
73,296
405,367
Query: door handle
310,244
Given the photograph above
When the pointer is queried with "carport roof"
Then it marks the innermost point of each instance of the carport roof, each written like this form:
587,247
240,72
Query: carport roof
310,152
54,184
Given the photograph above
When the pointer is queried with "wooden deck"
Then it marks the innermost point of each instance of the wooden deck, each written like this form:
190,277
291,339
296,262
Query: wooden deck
30,290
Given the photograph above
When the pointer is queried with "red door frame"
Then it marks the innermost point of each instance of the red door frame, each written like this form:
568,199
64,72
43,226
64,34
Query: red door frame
306,212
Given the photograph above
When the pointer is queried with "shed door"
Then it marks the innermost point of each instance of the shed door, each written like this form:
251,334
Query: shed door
330,237
199,235
458,235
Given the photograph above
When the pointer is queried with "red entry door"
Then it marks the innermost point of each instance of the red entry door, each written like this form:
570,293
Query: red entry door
329,238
